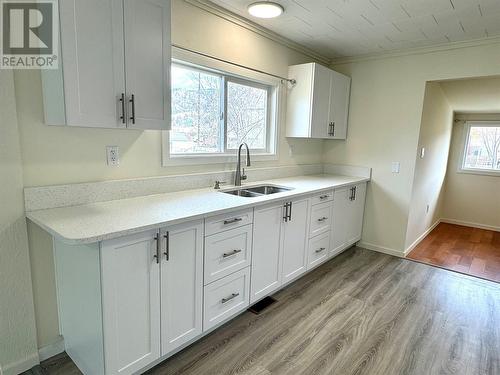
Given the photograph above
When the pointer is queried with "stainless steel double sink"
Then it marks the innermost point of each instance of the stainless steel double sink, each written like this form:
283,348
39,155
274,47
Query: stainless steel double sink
257,191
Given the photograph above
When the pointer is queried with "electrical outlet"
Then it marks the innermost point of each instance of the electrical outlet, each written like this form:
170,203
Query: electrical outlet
395,166
112,156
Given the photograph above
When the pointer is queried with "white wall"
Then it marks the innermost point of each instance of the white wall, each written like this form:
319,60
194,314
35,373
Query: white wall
54,155
471,199
385,116
18,350
430,171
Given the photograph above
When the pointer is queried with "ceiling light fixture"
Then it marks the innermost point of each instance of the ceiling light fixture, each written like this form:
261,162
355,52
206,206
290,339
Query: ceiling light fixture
265,9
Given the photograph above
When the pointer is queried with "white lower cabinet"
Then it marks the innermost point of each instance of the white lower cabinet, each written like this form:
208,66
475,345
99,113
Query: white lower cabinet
225,298
152,293
348,210
295,235
130,302
267,251
318,250
142,297
181,284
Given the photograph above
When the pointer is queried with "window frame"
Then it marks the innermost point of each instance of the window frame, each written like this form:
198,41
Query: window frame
465,144
237,75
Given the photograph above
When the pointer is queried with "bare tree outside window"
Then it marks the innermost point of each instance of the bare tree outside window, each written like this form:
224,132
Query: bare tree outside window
483,148
213,113
196,110
246,116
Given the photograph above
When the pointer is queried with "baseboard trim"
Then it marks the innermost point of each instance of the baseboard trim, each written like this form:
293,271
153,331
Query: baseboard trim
382,249
470,224
21,366
49,351
421,237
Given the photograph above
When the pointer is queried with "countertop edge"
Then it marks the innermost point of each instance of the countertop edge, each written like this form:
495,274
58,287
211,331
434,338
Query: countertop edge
111,235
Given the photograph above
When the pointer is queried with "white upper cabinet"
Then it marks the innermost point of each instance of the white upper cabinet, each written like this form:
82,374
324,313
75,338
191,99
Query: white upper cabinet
93,61
115,64
147,63
318,103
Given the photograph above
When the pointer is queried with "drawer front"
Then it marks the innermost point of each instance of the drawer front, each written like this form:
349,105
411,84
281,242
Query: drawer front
318,250
321,219
326,196
230,220
227,252
225,298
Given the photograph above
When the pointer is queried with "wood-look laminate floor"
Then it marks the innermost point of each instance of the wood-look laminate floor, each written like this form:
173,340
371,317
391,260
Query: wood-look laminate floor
361,313
467,250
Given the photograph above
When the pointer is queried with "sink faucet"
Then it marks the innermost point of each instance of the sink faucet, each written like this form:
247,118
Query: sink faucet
238,176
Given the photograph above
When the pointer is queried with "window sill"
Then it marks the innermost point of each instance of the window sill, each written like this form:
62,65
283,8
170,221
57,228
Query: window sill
481,172
213,159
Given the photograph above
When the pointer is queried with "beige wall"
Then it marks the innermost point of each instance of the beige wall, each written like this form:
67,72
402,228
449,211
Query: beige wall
385,115
430,171
54,155
470,198
17,322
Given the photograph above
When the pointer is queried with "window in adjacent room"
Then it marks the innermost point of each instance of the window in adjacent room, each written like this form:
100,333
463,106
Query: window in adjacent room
482,148
214,112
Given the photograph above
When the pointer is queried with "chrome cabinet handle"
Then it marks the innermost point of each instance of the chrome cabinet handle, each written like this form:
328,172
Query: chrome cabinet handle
234,252
321,249
167,245
322,219
132,101
157,255
232,221
227,299
285,215
290,212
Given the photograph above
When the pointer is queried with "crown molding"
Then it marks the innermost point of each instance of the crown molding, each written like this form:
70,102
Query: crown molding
417,51
221,12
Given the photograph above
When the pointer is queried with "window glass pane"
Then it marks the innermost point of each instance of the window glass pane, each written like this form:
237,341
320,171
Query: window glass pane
483,148
196,109
246,116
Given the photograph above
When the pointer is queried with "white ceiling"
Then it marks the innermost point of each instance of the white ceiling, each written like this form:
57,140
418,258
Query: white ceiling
338,28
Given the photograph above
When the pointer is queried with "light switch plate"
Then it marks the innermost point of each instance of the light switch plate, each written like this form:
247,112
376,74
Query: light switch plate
112,156
395,167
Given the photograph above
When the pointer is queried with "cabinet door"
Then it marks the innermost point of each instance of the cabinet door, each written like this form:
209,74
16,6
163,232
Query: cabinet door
131,302
355,214
147,62
266,257
93,59
181,284
340,220
320,102
295,233
339,104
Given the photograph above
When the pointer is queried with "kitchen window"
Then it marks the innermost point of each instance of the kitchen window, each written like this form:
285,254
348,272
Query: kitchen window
213,112
481,153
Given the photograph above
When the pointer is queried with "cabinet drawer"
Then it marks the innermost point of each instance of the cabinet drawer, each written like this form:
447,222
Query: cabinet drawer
230,220
326,196
321,219
227,252
318,250
225,298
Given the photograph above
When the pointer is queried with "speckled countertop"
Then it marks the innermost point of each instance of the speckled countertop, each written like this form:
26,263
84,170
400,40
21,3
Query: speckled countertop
105,220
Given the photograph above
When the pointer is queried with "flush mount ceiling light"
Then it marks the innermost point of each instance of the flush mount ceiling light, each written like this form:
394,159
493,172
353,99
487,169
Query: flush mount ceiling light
265,9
